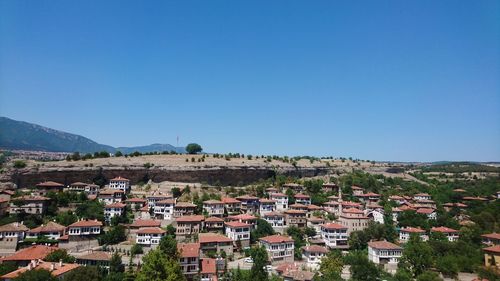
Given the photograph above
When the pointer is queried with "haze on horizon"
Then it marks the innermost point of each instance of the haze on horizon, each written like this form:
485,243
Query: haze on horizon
377,80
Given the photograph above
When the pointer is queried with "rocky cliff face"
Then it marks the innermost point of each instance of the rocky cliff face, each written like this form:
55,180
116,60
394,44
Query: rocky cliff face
211,175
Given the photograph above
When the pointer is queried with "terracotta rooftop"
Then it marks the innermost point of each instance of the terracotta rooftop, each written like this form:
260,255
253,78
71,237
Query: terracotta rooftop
355,187
189,250
384,245
193,218
31,198
333,226
264,200
213,202
299,275
110,192
150,230
212,238
353,211
412,230
55,268
297,206
491,236
273,214
96,256
185,205
229,200
422,195
86,223
276,239
278,194
214,219
119,179
13,227
295,212
247,197
145,223
208,266
116,205
79,183
244,217
49,227
32,253
300,195
493,249
234,224
443,229
425,211
315,249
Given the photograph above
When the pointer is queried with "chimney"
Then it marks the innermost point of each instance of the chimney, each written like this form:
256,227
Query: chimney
60,263
52,266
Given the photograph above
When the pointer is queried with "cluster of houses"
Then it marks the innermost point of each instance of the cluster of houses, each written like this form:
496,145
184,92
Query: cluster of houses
224,227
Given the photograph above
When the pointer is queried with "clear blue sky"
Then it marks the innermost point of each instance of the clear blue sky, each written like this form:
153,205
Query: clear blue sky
379,80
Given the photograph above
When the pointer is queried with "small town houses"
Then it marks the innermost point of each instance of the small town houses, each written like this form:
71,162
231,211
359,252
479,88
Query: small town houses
223,226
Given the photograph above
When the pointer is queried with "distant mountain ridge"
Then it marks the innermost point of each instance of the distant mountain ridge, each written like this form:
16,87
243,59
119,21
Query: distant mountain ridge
20,135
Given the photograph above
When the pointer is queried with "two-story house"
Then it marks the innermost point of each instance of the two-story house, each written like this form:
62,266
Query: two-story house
29,204
302,199
281,201
334,235
164,209
149,236
184,209
296,218
239,232
275,219
450,233
249,204
51,230
279,248
114,210
231,205
266,206
120,183
215,243
312,255
188,226
386,254
214,208
189,259
406,232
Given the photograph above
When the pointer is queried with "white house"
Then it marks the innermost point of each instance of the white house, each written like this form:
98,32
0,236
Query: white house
149,236
214,208
312,255
334,235
385,253
302,199
120,183
239,231
406,232
152,199
275,219
164,209
450,233
281,201
279,248
266,206
85,228
429,212
14,230
421,196
50,230
114,210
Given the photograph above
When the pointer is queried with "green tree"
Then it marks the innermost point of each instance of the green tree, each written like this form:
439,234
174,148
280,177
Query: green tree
83,273
330,267
118,154
115,235
60,255
36,275
260,258
263,229
417,256
193,148
168,245
362,269
157,267
428,276
298,237
115,264
448,266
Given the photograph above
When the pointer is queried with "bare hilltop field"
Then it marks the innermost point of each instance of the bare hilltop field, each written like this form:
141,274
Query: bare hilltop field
199,168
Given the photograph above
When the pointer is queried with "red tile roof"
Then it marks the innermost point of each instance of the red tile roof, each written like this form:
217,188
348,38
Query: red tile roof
150,230
189,250
425,211
145,223
49,227
236,224
32,253
300,195
116,205
213,202
443,229
272,239
352,211
491,235
264,200
186,204
214,219
412,230
193,218
315,249
247,197
493,249
242,217
333,226
136,200
212,238
384,245
273,214
55,268
229,200
86,223
166,201
208,266
14,227
96,256
119,179
278,194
